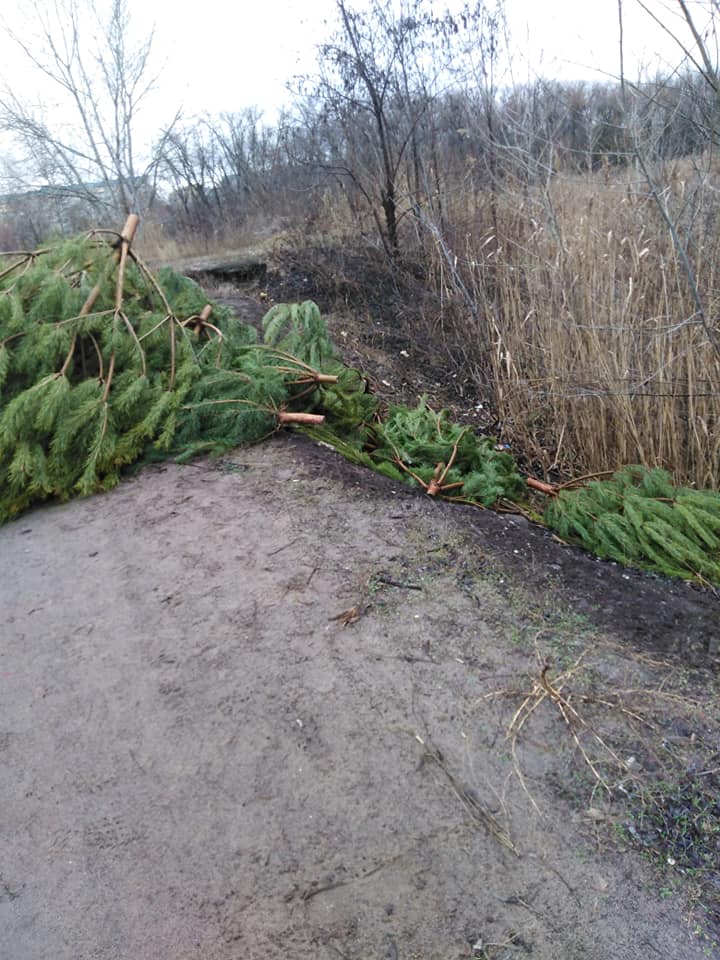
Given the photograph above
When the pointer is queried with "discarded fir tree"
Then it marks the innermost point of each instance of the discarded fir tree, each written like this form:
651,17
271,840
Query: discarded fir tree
99,360
641,519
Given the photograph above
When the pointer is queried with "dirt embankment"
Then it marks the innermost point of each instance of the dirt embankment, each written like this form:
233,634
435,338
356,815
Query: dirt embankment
277,706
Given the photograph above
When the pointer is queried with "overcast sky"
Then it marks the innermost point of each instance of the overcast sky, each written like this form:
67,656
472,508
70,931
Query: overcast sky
246,51
225,56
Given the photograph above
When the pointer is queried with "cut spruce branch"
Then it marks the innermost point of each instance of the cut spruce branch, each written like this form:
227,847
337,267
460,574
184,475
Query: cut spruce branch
80,394
427,449
282,417
305,419
640,518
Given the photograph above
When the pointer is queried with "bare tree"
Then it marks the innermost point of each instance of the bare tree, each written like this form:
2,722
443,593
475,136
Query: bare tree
97,77
374,96
223,170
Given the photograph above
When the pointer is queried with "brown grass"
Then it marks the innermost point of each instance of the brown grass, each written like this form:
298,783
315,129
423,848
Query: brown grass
161,245
587,326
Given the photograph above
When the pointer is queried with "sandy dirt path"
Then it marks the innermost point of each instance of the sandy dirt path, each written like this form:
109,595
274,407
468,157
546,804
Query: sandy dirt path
199,760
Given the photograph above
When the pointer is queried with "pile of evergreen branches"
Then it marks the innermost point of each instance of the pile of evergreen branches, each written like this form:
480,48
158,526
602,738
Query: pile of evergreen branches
641,519
102,364
426,449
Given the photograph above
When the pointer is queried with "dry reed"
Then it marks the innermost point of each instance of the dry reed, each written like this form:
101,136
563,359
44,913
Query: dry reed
586,323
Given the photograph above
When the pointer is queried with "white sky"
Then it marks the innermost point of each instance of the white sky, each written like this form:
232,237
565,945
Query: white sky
246,51
222,55
580,38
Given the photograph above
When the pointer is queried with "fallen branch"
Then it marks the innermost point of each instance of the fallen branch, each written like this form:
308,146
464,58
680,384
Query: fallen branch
398,583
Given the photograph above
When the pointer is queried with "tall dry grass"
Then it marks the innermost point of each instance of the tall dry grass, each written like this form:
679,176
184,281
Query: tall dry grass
160,245
584,320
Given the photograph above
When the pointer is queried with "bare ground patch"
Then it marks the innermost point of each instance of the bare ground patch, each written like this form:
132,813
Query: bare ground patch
264,707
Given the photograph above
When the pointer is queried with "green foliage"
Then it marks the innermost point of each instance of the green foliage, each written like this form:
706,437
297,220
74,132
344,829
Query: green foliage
409,443
87,388
299,329
186,296
640,518
83,387
228,408
101,368
419,439
349,407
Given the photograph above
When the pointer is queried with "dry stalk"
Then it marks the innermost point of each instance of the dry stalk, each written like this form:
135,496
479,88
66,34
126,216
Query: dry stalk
597,354
594,749
471,803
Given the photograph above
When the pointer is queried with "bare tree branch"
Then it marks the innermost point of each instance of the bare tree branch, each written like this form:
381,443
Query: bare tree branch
101,76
